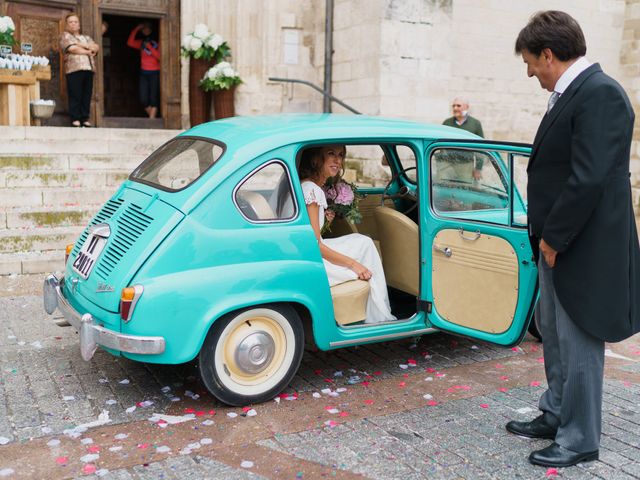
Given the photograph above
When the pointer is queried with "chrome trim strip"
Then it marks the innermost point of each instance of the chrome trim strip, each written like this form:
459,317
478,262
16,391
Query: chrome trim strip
91,334
389,336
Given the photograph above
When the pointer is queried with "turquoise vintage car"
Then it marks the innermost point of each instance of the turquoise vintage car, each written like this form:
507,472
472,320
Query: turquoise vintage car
207,251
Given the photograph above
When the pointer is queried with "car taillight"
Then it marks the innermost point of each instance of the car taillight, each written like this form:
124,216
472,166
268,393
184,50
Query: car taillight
128,299
67,252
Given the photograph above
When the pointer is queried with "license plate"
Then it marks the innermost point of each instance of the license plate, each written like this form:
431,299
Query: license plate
86,259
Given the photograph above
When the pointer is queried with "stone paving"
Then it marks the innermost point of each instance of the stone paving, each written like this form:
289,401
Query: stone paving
433,407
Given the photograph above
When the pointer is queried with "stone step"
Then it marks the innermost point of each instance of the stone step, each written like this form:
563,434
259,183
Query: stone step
32,262
101,141
38,217
63,178
65,196
38,239
67,161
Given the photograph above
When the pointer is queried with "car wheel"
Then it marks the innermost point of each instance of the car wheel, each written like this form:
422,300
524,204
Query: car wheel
534,328
250,356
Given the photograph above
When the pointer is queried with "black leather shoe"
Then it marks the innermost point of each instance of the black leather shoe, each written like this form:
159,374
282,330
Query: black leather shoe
557,456
536,428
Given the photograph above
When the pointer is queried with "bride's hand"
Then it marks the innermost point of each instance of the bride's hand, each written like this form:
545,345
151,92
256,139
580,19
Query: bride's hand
363,272
329,215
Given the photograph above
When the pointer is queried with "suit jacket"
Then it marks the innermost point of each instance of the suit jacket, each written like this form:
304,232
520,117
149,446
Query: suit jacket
580,203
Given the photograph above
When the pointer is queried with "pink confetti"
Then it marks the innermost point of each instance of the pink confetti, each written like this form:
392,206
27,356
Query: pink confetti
626,383
503,390
430,370
504,377
534,348
369,402
405,375
343,414
246,409
377,373
534,384
212,412
318,372
440,375
189,410
484,405
328,380
498,365
540,360
89,468
365,384
411,361
62,460
402,384
551,472
93,449
515,349
331,423
432,403
637,352
143,446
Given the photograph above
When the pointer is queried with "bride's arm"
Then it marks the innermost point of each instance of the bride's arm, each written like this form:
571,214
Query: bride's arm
331,255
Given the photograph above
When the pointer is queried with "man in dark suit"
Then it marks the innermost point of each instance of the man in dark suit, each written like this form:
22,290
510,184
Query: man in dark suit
582,228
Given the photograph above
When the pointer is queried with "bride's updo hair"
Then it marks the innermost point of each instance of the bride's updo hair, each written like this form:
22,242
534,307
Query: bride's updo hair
311,161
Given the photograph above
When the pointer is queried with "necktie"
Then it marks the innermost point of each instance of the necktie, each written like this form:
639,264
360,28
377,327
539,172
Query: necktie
552,101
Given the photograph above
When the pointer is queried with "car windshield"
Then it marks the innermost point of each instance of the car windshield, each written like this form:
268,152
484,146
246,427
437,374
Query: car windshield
178,163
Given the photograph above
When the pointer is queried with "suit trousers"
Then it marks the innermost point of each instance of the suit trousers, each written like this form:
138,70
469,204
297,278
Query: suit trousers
574,366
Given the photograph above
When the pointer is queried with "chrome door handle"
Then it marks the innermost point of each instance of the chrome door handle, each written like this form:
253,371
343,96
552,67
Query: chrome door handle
446,251
476,237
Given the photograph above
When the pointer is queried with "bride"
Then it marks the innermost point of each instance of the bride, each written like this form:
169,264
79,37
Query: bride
349,257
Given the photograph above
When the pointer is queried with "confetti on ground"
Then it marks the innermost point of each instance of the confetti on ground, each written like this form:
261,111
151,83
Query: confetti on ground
251,413
503,390
432,403
316,395
504,377
54,442
115,448
165,389
208,423
540,360
86,441
402,384
551,472
369,402
525,410
185,451
131,409
403,366
331,423
170,419
246,464
124,381
36,344
89,469
111,402
103,380
90,457
143,446
102,472
484,405
427,396
163,449
4,440
62,460
68,398
331,409
121,436
341,390
206,441
232,414
5,472
428,379
534,384
46,430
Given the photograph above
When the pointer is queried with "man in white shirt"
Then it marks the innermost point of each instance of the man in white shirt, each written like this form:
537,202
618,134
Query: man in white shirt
582,228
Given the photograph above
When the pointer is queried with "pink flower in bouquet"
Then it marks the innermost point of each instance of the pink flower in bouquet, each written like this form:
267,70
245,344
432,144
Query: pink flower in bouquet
331,193
344,194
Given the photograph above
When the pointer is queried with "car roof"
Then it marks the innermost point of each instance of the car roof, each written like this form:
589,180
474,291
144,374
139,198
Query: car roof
270,131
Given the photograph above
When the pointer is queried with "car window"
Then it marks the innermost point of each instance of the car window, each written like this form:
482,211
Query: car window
407,159
266,195
466,180
366,166
178,163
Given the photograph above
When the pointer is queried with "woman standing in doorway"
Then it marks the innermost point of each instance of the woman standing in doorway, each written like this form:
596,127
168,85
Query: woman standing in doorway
141,39
79,65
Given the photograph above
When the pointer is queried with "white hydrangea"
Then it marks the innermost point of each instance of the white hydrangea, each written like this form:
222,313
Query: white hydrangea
214,41
195,44
211,73
229,72
6,24
186,41
201,31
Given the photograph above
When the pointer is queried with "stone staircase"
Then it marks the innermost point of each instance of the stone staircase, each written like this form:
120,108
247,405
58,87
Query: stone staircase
53,180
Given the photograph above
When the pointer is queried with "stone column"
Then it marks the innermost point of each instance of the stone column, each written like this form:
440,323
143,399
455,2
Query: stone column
630,63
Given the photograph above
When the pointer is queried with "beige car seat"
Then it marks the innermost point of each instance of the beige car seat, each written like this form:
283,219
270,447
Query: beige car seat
350,301
399,244
261,210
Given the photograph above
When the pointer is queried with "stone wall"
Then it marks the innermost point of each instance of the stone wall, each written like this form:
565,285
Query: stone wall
630,64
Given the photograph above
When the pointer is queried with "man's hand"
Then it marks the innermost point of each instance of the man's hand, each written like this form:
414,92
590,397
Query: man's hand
548,253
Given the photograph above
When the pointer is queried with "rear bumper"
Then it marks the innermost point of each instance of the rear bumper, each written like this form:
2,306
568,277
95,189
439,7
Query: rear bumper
92,334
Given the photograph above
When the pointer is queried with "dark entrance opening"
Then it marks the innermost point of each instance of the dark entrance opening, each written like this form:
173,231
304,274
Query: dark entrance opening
121,67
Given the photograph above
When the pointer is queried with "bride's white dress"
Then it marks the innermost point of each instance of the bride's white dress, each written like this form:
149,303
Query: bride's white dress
362,249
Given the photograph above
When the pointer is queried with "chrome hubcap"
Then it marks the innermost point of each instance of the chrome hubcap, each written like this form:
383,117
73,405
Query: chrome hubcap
255,352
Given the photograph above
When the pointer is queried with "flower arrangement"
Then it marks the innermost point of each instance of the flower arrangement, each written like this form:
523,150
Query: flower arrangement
220,77
343,199
201,43
7,27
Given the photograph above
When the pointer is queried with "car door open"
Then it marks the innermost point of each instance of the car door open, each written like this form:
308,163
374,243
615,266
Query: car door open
477,257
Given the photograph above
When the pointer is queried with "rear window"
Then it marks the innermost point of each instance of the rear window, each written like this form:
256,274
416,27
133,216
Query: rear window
178,163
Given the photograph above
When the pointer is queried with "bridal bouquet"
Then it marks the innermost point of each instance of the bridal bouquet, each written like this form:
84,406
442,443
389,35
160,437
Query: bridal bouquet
343,199
201,43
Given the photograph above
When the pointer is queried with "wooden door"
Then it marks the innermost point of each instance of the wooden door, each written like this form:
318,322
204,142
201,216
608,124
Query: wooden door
42,26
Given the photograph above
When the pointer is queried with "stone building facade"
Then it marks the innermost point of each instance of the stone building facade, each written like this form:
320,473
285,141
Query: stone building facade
409,58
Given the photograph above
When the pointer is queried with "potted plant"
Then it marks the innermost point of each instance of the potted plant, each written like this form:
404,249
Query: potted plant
203,49
7,27
222,79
